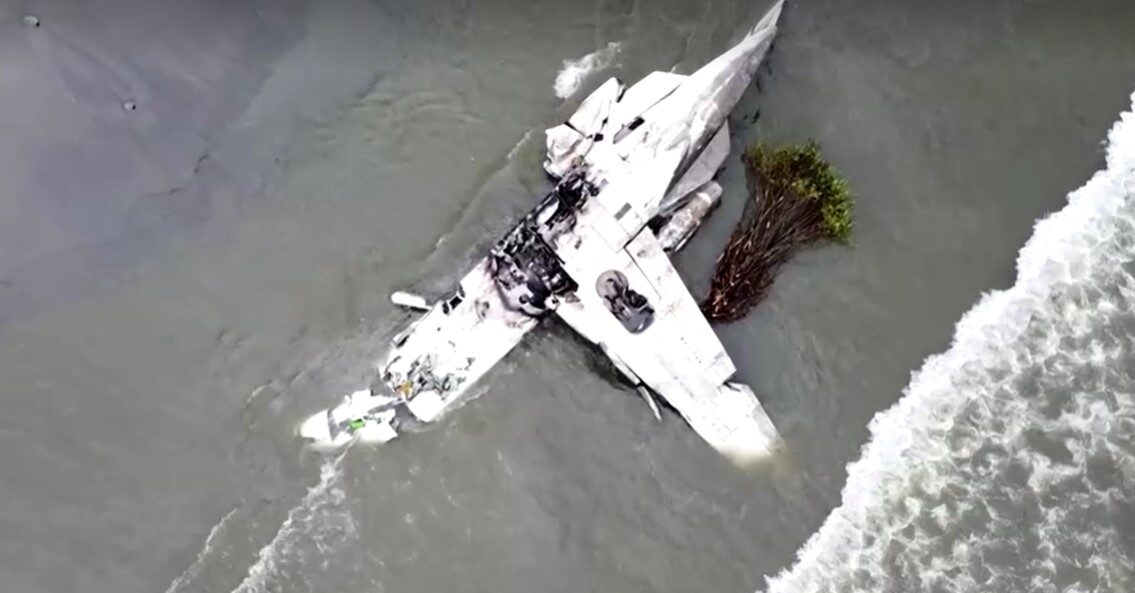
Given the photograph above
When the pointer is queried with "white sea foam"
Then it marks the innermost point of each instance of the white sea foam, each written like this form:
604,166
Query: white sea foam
574,72
516,147
1009,462
206,550
317,527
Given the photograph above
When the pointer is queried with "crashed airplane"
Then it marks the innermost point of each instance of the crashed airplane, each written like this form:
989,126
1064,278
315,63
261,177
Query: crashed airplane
635,169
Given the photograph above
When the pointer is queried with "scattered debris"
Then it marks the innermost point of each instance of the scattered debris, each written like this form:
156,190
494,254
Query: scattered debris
410,301
645,393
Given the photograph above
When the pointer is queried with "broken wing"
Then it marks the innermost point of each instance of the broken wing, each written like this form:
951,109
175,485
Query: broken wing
677,355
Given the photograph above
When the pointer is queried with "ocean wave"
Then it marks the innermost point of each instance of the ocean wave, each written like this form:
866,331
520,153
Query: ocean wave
207,549
516,147
574,72
318,526
1009,462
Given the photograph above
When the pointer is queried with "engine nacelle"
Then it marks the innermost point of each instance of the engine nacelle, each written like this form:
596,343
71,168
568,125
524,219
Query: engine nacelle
685,221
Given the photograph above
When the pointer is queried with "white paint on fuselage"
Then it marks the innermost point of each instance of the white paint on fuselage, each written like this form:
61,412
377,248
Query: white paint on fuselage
645,150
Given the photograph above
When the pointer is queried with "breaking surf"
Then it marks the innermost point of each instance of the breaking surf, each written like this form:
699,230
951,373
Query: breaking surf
1009,463
575,72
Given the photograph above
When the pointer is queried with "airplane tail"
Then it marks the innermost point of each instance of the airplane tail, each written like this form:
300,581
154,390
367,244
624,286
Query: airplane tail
767,26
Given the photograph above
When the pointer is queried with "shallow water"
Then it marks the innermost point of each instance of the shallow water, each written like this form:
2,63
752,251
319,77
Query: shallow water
183,282
1009,463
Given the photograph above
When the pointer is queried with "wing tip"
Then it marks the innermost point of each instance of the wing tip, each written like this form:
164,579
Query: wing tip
737,426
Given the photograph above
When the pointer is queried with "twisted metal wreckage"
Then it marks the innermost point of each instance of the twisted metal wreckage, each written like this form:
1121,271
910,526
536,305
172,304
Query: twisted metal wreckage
635,168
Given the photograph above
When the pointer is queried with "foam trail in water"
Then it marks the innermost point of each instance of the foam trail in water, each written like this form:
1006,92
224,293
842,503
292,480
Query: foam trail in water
312,531
194,569
516,147
1009,463
574,72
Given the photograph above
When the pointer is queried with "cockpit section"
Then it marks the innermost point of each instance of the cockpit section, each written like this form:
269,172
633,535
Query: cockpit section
527,271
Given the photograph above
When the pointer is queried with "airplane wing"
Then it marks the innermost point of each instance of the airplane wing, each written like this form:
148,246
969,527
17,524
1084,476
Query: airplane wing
677,355
453,344
610,111
605,133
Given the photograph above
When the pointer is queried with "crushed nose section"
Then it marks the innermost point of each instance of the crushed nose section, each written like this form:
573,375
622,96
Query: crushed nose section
377,431
361,416
317,428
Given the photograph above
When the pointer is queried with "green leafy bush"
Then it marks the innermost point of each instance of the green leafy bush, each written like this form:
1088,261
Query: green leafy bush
797,199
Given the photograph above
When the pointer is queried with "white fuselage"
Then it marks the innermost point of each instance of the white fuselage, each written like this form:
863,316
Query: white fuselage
627,158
